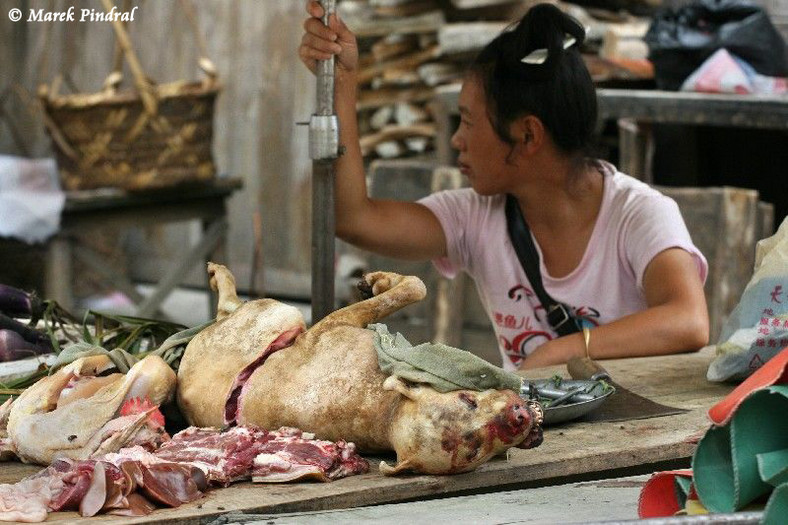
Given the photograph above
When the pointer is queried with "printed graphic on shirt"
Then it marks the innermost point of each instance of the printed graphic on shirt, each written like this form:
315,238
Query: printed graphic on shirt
519,333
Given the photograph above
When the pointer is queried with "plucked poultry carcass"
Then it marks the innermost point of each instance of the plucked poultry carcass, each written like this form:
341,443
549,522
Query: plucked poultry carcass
86,409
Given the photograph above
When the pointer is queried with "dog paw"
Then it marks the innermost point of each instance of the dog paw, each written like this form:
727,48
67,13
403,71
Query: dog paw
381,282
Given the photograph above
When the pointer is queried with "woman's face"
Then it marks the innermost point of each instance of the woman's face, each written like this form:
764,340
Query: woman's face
482,153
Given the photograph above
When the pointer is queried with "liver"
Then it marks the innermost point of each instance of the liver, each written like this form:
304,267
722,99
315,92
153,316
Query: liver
593,450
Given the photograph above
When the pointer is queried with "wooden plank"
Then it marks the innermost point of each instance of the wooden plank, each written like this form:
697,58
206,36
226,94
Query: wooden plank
11,370
383,97
472,4
399,8
396,78
670,107
468,37
393,46
746,111
410,61
394,132
436,73
569,449
363,26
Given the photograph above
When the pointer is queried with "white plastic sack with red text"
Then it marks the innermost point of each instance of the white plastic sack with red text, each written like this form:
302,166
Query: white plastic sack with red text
757,329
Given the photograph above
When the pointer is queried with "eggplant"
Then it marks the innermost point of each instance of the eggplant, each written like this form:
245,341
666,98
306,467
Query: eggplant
30,335
14,347
18,303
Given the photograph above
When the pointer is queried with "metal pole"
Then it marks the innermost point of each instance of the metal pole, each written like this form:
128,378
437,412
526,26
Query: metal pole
323,150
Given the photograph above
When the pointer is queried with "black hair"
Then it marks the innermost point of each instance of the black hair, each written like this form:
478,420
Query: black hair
559,91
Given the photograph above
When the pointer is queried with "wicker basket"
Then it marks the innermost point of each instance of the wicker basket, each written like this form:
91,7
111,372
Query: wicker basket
147,137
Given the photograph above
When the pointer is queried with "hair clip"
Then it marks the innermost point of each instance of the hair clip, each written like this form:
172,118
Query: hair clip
539,56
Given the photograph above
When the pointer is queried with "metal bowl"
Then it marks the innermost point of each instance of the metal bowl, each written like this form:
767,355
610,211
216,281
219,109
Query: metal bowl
570,411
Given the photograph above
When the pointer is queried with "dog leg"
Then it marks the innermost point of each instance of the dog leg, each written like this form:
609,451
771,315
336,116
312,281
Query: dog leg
223,282
391,291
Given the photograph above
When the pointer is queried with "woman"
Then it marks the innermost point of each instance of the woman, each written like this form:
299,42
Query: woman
613,249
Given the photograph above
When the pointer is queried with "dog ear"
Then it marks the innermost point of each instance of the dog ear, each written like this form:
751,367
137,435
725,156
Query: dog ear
408,390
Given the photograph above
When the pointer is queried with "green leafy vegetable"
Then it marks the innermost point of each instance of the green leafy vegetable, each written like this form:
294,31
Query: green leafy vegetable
124,339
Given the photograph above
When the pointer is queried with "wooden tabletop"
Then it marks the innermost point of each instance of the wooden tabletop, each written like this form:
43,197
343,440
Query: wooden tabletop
112,198
675,107
569,449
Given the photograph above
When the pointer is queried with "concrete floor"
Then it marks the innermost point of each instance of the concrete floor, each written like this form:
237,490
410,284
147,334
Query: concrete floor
586,502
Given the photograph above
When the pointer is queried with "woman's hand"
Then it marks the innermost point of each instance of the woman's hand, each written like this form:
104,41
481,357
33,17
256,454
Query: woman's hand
320,42
555,352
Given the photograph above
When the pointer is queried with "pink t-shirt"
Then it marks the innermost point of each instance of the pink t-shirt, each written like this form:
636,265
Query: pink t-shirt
635,223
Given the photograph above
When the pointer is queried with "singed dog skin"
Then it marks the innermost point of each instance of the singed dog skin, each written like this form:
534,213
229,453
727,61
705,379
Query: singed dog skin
329,383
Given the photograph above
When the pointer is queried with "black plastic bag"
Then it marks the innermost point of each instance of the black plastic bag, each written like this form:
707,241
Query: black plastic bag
681,39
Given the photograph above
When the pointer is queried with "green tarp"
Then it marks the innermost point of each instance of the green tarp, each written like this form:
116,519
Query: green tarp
746,461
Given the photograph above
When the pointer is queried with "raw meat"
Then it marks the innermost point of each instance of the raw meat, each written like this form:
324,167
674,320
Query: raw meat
242,452
124,486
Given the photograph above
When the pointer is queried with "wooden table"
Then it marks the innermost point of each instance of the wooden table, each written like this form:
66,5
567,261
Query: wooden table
596,450
89,209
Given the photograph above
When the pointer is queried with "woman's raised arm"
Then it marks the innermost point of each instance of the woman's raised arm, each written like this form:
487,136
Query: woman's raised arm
399,229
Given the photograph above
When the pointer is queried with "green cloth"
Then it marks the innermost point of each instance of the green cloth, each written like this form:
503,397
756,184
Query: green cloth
443,367
773,466
777,507
682,487
746,459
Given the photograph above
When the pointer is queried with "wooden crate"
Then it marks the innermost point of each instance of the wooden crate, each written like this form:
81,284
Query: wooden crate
725,224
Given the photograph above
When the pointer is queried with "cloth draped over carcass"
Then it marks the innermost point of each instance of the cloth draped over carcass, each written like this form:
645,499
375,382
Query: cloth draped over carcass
443,367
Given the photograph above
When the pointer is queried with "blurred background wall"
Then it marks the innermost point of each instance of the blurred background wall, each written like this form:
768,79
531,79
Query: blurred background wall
266,90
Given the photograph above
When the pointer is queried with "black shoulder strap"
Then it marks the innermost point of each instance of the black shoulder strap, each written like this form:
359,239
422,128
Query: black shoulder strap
557,313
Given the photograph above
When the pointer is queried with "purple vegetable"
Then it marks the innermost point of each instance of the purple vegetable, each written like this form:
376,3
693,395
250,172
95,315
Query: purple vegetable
18,303
28,334
13,347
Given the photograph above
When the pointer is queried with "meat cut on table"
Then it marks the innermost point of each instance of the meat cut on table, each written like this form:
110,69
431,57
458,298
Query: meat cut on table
134,481
287,454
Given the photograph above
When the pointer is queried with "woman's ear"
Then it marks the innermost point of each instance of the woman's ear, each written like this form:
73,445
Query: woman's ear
529,132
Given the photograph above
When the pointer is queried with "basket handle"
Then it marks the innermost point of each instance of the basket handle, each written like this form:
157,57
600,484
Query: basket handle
115,76
205,63
144,87
123,49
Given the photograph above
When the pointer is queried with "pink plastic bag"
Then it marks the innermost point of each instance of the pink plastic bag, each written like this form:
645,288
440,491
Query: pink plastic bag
725,73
